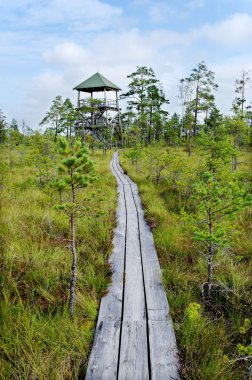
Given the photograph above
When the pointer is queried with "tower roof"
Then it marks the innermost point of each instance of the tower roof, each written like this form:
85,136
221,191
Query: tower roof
96,83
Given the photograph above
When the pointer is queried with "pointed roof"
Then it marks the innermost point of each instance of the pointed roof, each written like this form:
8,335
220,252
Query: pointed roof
96,83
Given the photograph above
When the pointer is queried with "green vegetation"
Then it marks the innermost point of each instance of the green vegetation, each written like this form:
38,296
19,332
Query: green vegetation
193,194
194,176
75,172
38,337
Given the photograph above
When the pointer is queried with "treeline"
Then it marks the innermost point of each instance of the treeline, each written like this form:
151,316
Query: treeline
147,120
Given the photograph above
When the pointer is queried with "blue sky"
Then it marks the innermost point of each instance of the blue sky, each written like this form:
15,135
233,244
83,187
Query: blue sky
49,46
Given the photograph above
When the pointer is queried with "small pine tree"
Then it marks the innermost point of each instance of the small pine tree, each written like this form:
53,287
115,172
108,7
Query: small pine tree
75,172
218,197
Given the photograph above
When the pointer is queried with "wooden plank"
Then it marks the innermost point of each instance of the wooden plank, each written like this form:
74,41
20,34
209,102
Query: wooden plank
116,259
113,166
133,363
157,304
116,170
147,241
134,305
162,341
111,304
140,258
163,351
134,302
104,356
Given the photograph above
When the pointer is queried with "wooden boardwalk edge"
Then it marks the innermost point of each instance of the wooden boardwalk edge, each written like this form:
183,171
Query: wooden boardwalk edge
134,337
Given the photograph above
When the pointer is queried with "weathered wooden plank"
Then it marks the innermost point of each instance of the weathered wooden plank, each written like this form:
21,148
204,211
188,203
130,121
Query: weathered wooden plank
157,304
163,351
152,272
116,259
162,341
134,302
111,304
113,167
147,240
116,170
134,305
141,257
133,363
104,356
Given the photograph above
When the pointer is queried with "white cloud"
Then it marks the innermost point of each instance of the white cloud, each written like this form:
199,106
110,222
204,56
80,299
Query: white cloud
67,12
92,14
39,94
117,55
226,73
60,61
235,30
67,53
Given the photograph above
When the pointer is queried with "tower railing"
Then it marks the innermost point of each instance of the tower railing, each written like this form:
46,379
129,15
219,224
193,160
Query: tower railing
98,103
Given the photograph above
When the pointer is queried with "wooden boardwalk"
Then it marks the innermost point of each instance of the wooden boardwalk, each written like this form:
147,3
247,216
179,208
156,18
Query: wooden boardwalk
134,338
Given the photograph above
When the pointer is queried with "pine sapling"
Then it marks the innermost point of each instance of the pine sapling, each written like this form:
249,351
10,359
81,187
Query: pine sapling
75,172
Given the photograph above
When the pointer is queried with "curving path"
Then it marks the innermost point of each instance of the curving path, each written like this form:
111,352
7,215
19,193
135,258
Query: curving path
134,338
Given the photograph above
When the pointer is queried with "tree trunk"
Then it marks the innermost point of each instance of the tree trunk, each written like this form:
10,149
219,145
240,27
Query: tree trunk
234,158
56,129
190,143
210,256
243,95
210,268
234,163
74,263
196,111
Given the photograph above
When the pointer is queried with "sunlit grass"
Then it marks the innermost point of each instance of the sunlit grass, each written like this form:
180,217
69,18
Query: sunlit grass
38,338
203,345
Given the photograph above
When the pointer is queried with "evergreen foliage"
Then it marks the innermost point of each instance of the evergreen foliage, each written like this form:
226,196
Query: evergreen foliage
201,81
53,116
75,172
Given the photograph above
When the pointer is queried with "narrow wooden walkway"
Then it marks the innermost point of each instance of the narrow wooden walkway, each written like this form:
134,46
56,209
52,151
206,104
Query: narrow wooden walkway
134,338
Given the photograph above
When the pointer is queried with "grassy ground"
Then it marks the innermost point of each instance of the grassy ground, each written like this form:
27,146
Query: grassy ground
38,340
207,338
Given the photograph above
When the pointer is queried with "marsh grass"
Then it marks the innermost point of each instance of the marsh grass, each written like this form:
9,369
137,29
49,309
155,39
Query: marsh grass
207,344
38,340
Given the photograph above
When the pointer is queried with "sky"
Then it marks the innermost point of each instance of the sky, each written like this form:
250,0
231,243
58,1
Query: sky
50,46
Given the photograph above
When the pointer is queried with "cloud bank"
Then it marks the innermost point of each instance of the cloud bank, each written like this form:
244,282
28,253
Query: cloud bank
50,46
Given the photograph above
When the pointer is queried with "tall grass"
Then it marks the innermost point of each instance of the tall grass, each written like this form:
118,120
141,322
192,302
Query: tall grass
207,344
38,340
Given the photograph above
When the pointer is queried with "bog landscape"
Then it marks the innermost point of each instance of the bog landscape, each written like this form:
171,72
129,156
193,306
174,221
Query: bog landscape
72,236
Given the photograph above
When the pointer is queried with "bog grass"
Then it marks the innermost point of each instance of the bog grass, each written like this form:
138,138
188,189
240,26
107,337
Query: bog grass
207,344
38,340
